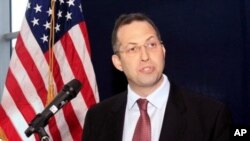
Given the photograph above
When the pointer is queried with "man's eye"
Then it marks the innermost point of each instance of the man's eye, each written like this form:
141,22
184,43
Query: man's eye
152,45
132,49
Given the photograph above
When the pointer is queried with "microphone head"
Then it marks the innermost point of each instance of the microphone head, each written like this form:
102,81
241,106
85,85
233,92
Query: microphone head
74,86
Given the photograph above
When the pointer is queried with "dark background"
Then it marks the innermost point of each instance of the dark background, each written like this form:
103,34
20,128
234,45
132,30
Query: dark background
207,43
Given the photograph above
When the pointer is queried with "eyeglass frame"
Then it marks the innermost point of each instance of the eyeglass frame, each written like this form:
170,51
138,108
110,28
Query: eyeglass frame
138,47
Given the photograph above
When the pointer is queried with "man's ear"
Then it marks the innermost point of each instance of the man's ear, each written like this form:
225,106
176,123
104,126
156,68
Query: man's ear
117,62
164,50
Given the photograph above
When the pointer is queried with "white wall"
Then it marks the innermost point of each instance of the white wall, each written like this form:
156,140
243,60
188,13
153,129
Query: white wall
17,9
4,44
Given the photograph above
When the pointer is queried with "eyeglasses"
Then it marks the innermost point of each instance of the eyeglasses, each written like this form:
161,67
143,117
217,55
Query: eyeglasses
133,48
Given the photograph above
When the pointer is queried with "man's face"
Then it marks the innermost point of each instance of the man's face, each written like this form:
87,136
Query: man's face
141,56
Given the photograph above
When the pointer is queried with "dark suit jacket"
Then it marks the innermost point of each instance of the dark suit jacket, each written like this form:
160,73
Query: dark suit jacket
188,117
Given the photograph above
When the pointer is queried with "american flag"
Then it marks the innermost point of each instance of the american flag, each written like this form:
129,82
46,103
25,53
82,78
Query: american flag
26,90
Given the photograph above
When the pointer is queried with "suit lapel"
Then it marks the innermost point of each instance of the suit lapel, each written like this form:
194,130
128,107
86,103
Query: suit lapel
174,119
115,120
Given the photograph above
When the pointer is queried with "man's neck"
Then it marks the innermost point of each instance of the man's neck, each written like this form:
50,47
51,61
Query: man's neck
145,91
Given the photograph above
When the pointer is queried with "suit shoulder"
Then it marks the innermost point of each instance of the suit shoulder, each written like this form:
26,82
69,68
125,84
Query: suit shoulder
110,103
198,101
202,100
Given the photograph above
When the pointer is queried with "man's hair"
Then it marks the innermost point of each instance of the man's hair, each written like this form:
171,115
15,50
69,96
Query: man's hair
127,19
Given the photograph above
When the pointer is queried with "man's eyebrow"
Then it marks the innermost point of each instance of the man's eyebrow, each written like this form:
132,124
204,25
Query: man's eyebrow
133,43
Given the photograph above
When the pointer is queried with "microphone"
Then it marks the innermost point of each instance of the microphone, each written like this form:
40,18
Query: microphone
69,91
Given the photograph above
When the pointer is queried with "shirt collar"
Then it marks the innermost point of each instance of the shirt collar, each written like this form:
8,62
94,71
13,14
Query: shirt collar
157,98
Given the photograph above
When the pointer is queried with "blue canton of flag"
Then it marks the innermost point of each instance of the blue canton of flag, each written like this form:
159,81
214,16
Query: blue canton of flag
67,14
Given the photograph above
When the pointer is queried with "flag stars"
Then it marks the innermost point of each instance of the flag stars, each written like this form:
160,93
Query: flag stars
80,7
49,11
47,25
59,14
38,8
57,27
35,21
68,16
70,2
44,38
61,2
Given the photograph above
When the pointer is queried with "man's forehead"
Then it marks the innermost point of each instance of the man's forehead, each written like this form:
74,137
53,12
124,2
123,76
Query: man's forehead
134,30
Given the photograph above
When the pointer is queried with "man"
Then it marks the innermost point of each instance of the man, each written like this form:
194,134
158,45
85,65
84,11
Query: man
169,114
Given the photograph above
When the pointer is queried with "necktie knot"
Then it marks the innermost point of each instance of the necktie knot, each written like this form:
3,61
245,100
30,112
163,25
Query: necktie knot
142,104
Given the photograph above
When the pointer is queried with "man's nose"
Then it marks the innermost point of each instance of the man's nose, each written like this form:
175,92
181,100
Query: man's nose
144,54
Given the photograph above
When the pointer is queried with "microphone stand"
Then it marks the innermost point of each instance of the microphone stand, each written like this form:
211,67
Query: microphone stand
42,134
38,127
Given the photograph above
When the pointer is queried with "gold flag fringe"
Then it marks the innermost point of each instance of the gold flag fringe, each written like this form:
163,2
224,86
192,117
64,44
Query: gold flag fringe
51,89
2,135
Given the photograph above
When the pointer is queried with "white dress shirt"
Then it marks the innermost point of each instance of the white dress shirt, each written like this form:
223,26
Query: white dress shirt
156,109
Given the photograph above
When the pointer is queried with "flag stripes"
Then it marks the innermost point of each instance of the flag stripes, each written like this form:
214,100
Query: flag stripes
54,129
85,38
26,87
15,122
19,98
85,58
9,130
31,69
